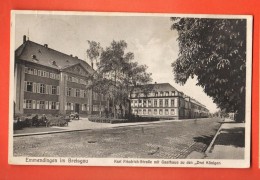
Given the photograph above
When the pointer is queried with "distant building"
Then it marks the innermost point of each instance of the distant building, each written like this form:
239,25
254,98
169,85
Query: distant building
166,102
51,82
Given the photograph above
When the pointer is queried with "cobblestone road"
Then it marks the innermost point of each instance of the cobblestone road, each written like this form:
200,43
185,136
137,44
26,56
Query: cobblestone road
163,140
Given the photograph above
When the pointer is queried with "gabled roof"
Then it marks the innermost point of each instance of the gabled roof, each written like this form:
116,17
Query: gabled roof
37,53
158,87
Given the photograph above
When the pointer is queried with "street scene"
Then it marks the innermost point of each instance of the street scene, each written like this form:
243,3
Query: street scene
123,86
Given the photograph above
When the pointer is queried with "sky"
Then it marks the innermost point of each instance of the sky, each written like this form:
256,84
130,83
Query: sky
148,37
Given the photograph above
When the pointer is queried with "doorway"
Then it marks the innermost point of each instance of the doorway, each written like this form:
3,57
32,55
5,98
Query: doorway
77,108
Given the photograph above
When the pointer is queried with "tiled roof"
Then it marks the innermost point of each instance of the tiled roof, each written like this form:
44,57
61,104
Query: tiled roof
37,53
159,87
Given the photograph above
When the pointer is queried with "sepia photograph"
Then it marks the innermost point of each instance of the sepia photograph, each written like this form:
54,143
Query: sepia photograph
130,89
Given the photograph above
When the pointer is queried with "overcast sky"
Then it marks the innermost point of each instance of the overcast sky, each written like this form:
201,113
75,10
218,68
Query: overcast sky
149,38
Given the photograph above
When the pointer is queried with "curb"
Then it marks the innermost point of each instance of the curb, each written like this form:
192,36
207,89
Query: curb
208,150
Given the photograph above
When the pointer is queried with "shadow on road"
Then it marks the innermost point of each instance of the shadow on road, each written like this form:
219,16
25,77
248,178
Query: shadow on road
203,139
234,137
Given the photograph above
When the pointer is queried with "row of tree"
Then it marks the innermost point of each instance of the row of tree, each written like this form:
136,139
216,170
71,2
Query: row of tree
117,74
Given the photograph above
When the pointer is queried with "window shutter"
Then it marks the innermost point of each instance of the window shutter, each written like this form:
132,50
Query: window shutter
50,104
24,103
47,74
26,69
82,107
58,90
57,105
47,89
66,91
38,105
72,106
35,71
34,87
66,106
38,87
46,105
33,104
25,85
73,92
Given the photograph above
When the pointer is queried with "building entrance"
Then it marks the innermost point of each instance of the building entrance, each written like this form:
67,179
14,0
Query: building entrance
77,108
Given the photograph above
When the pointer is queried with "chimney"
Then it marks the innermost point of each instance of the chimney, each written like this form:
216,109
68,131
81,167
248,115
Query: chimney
24,38
46,45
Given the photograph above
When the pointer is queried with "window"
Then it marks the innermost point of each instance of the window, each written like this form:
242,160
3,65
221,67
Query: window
155,111
29,86
156,94
43,74
166,101
53,89
47,74
144,103
51,75
35,71
161,103
28,104
166,112
84,107
166,93
53,105
84,94
95,108
30,71
69,106
172,102
155,103
42,89
149,103
149,111
39,72
69,91
161,93
77,93
70,78
42,105
160,111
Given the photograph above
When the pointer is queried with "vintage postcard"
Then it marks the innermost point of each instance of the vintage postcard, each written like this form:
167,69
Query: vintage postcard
130,89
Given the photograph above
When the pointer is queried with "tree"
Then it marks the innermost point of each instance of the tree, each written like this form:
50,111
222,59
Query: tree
117,74
214,50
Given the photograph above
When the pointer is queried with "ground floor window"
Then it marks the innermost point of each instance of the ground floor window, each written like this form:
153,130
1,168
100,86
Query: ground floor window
166,112
41,105
155,111
140,112
160,111
28,104
149,111
144,111
172,112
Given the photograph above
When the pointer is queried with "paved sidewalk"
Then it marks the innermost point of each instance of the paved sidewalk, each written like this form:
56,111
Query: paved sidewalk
229,142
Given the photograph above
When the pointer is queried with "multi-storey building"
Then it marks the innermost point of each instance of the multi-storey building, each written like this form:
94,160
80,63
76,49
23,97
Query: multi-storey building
166,102
50,82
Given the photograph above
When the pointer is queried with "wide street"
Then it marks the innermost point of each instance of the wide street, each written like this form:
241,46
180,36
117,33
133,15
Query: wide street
175,139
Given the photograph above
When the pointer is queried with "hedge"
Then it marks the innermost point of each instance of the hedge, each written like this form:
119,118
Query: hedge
128,120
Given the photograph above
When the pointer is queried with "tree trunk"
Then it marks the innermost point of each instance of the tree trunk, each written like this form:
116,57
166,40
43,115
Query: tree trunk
240,115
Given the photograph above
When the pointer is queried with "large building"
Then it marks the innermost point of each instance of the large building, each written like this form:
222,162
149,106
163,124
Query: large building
50,82
166,102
